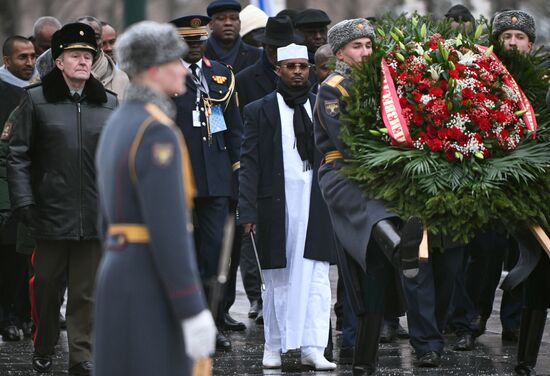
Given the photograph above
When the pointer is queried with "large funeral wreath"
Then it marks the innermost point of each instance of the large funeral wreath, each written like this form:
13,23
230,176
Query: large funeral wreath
441,127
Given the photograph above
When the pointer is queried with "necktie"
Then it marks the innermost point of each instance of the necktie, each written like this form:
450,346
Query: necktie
76,97
195,70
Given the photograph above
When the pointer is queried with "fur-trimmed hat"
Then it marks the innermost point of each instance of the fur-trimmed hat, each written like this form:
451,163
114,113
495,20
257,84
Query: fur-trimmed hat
148,43
347,30
514,20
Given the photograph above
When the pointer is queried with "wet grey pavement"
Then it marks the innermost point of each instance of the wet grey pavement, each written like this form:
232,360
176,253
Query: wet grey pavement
491,355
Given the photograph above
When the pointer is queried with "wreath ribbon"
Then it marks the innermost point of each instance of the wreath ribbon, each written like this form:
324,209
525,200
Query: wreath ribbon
393,119
524,103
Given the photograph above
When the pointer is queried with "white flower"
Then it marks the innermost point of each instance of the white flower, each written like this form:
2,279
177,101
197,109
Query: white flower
435,70
468,58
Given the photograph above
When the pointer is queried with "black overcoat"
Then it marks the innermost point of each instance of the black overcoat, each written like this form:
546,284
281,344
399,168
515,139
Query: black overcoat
262,189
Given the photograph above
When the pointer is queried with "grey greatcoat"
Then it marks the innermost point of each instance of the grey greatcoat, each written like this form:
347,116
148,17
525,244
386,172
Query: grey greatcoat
144,288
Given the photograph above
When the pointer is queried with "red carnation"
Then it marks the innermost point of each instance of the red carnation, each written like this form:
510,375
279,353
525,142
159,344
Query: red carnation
460,67
453,73
504,134
467,93
484,124
435,144
436,92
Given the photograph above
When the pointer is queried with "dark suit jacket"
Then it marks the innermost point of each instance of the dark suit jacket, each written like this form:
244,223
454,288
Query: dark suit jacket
247,56
262,188
213,161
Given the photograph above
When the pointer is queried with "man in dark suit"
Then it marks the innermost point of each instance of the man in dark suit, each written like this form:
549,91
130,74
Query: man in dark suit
260,79
225,44
212,126
280,195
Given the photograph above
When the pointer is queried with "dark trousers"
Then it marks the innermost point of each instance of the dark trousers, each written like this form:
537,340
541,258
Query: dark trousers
77,261
210,215
487,253
429,296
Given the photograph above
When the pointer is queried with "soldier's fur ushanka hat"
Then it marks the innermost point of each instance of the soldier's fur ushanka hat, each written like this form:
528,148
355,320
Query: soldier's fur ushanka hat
146,44
347,30
514,20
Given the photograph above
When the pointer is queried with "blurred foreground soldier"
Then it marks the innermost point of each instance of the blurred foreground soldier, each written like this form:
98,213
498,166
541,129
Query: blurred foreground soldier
43,29
279,193
366,231
151,316
225,44
461,17
253,21
208,116
312,23
51,177
108,39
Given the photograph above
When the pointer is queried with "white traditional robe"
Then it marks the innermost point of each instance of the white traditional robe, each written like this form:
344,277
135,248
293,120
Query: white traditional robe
296,302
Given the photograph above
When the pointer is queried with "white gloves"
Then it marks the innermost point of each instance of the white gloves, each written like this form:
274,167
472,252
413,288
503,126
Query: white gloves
199,334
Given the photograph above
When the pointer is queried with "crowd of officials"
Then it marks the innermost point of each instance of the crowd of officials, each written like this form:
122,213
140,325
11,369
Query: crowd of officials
122,158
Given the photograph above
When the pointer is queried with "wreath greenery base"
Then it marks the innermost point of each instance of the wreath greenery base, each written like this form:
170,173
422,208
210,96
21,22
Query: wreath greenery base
453,198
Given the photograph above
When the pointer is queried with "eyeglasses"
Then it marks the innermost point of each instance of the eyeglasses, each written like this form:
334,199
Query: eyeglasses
292,66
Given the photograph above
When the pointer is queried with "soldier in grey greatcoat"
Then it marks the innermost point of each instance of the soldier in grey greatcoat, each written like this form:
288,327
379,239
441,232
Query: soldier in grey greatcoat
151,314
371,244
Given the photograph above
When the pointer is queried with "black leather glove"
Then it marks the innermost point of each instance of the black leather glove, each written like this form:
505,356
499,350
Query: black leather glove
26,215
5,217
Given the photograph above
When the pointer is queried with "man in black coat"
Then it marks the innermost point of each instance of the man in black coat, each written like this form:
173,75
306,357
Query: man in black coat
51,175
225,44
211,123
279,195
254,83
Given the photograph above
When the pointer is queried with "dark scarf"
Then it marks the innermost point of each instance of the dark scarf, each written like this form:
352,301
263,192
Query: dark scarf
295,98
269,69
226,56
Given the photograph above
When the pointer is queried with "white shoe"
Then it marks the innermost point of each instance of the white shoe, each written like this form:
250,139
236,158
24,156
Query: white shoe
272,359
317,361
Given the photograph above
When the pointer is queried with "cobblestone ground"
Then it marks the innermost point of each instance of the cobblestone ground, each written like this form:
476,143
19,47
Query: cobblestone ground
491,356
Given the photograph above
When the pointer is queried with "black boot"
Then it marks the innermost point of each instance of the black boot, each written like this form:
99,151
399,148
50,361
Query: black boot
401,248
367,339
530,338
387,237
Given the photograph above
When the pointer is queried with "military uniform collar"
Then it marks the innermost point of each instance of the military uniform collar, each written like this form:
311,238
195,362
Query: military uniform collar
343,68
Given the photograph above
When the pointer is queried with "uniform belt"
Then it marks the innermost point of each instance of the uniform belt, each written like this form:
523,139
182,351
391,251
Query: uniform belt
332,155
132,232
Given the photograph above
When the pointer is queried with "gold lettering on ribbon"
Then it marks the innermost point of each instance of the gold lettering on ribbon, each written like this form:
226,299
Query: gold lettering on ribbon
529,116
390,108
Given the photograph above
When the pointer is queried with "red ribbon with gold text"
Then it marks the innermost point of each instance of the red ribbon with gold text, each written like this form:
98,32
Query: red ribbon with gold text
529,116
391,110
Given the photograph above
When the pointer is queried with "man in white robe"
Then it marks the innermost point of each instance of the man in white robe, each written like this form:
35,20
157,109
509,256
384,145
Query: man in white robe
278,188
